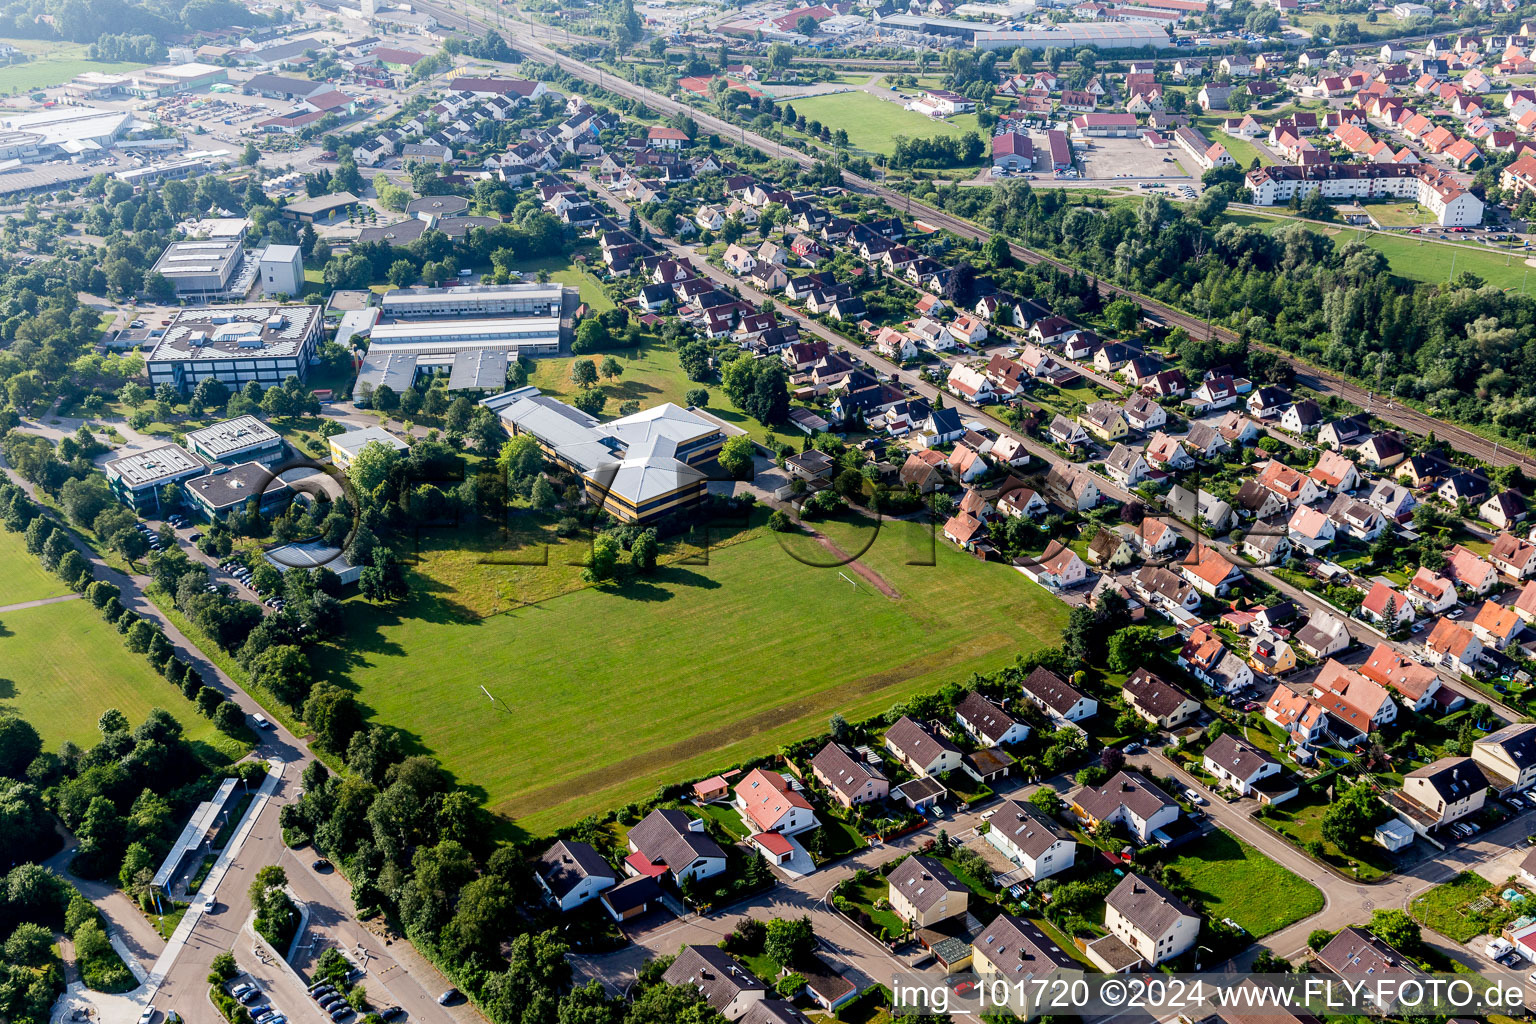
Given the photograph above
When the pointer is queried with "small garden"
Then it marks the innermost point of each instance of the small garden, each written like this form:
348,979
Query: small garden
1468,906
1339,834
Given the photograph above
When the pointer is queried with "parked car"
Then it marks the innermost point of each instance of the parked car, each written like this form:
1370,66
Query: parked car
450,998
209,904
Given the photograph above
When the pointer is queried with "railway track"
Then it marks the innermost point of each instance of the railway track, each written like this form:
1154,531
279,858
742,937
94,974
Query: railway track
1319,380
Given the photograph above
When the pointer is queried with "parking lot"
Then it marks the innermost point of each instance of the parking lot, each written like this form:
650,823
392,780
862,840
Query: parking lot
1126,158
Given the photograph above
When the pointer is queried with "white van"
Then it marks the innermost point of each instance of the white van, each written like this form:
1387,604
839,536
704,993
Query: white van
1498,947
261,722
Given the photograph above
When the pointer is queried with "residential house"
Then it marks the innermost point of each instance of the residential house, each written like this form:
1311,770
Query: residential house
1072,487
1382,451
1507,757
1271,654
1356,953
920,749
1504,509
1415,684
1238,764
848,779
670,842
1150,919
1454,647
1031,839
1525,604
1443,791
1310,529
1386,606
1105,421
1209,572
1356,519
923,892
1167,454
1497,625
1126,466
1164,589
1111,549
572,873
1335,473
1066,433
1152,536
1061,702
1392,500
769,802
1128,799
1015,950
1304,417
1266,544
1209,661
1324,634
1431,592
1291,486
1355,702
1020,501
1513,555
1057,568
1158,701
1468,570
728,987
1463,486
1142,413
988,724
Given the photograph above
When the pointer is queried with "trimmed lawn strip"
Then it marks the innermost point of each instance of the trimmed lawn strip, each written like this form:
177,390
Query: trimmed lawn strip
22,576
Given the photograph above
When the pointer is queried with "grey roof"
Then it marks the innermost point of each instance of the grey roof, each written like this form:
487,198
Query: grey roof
1153,694
715,973
1028,827
380,368
985,717
478,369
229,436
441,206
663,837
1018,948
168,462
1518,741
322,204
923,880
773,1011
568,863
632,893
844,772
915,742
1126,789
1237,755
245,332
1147,904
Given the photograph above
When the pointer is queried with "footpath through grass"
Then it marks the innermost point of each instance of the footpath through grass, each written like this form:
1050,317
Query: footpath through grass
680,673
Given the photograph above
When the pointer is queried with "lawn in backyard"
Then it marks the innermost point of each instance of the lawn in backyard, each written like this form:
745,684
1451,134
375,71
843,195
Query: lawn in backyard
568,272
676,675
63,666
1243,151
872,123
22,576
1301,821
52,63
1399,215
1235,880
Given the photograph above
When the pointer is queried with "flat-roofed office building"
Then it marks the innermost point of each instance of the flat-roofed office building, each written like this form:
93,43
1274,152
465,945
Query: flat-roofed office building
532,300
230,490
201,268
137,478
236,344
242,439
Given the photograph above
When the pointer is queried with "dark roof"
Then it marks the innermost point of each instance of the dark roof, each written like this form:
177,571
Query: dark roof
1236,755
915,742
632,893
946,420
715,973
1356,951
664,837
1453,778
922,880
1155,695
568,863
845,773
1017,947
985,717
1028,827
1147,904
1127,789
1051,690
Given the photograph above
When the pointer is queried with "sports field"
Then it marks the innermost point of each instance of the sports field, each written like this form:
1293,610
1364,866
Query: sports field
873,123
52,63
61,666
22,576
607,694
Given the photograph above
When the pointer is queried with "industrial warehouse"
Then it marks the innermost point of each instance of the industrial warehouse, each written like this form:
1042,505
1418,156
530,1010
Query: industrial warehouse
475,331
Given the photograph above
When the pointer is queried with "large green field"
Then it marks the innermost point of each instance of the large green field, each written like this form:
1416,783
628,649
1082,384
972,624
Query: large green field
61,666
52,63
1415,258
873,123
610,692
1237,881
22,576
